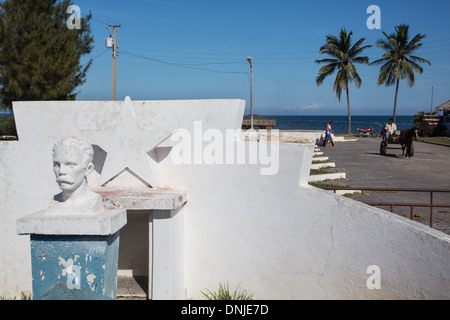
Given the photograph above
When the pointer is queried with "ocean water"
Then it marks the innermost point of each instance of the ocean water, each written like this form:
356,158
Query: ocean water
339,122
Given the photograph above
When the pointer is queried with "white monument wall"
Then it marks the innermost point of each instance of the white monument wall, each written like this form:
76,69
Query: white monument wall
274,235
282,239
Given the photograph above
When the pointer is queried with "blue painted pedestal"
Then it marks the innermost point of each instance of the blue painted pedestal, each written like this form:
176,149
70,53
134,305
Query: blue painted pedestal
69,262
78,262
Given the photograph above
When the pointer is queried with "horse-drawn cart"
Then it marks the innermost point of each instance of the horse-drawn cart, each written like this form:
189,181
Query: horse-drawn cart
405,140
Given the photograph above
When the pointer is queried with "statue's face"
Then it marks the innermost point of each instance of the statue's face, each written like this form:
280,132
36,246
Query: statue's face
70,169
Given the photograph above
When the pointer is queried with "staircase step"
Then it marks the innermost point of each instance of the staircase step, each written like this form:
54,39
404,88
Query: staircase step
316,166
326,176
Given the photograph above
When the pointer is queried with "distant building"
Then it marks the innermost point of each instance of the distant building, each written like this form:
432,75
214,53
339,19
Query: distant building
259,122
445,108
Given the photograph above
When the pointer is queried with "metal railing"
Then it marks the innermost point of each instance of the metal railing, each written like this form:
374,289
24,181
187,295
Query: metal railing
430,205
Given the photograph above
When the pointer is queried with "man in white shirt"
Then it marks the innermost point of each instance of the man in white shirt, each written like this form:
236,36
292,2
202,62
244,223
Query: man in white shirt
391,129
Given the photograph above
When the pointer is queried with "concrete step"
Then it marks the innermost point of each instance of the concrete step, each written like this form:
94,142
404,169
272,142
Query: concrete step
343,192
326,176
317,153
132,288
316,166
320,158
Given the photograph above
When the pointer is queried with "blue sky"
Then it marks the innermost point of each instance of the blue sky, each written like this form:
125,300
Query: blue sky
197,49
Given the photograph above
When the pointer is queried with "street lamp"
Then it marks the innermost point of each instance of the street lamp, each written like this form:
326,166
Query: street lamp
249,59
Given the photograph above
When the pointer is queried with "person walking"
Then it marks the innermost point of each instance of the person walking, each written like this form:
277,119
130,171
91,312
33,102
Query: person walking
329,137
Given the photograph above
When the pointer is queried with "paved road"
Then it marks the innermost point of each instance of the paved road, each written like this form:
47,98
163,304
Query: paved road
365,167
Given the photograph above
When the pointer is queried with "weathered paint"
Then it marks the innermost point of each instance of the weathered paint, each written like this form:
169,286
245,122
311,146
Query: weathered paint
78,261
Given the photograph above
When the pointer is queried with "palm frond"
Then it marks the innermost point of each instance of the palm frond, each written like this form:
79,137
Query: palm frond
326,71
327,61
419,59
362,60
397,62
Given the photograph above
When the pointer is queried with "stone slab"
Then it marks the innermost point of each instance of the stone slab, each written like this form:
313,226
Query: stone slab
317,166
141,198
105,223
320,158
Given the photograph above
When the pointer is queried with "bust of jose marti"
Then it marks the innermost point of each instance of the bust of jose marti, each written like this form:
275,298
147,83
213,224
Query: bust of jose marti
72,162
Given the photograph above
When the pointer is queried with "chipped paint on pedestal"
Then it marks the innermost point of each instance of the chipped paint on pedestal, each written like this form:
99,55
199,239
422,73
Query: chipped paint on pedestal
80,262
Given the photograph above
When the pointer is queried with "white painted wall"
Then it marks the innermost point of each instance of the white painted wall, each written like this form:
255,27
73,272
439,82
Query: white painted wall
282,239
274,235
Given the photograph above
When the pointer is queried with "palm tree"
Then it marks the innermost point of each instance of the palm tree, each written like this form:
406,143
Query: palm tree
398,61
344,56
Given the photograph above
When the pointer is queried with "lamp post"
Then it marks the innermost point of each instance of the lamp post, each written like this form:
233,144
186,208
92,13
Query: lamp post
249,59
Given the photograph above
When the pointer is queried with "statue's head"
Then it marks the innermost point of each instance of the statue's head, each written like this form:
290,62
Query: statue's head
72,162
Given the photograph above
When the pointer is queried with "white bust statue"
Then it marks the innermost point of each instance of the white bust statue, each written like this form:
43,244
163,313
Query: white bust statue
72,162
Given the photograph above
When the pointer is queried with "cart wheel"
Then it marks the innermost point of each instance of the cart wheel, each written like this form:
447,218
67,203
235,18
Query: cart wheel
383,148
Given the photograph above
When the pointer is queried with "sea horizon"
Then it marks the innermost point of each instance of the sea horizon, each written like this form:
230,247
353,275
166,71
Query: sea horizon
340,122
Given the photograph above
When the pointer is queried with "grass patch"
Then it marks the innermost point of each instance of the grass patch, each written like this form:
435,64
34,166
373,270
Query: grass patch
23,296
322,170
440,140
328,185
351,195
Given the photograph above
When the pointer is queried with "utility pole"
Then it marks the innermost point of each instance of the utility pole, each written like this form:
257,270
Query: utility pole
114,66
250,60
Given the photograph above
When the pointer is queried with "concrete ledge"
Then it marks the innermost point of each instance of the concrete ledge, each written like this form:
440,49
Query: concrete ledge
105,223
316,166
141,198
344,139
343,192
320,158
326,176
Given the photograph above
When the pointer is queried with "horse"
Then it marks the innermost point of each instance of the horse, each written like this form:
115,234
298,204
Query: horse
406,138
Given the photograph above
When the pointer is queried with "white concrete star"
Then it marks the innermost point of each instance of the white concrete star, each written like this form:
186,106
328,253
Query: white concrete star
127,147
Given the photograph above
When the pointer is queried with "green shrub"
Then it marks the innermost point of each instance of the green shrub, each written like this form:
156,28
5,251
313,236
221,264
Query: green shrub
7,126
223,293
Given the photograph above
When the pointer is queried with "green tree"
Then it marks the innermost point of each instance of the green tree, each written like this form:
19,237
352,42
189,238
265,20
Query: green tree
7,126
398,62
344,56
39,55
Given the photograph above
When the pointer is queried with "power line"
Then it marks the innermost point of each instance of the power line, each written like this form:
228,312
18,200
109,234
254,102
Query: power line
202,54
99,55
180,65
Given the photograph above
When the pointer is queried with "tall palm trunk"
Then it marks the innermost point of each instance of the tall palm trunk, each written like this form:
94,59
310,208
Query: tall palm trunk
349,126
395,99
